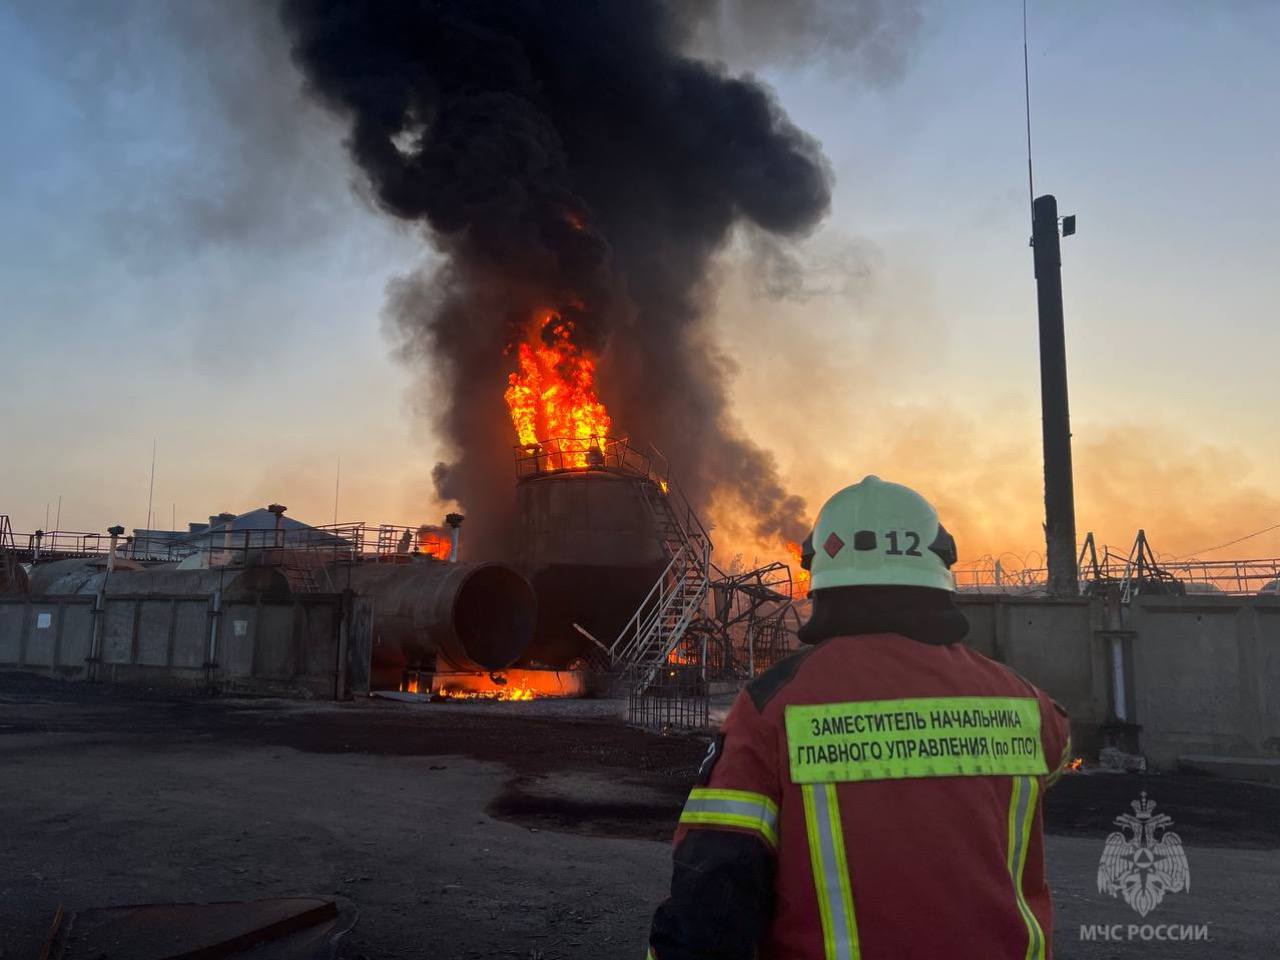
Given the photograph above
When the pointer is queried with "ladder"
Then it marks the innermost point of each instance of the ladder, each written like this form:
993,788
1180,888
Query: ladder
645,644
11,579
304,569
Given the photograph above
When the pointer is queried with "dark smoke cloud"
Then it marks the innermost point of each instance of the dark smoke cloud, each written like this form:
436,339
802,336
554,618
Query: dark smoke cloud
566,155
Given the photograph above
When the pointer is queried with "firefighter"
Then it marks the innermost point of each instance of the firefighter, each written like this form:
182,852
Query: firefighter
876,795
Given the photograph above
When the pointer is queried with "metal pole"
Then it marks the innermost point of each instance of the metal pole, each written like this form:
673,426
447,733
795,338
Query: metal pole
211,655
454,520
1059,492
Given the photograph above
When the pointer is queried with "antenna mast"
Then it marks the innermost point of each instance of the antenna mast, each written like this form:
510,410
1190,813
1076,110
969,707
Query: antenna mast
1026,90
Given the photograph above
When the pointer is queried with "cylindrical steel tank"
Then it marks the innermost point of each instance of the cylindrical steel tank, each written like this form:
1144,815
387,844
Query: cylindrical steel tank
476,617
592,551
468,616
128,578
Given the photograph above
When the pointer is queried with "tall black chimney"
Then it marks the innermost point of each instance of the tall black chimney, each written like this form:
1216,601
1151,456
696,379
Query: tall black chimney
1059,492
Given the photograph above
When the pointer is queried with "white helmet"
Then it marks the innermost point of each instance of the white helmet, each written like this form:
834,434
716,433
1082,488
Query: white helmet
880,534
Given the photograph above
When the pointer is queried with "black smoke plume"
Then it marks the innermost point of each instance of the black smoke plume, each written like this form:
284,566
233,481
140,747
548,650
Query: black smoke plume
567,155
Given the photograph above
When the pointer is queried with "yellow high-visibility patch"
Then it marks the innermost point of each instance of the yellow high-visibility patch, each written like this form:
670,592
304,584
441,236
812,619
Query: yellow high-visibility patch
922,737
742,809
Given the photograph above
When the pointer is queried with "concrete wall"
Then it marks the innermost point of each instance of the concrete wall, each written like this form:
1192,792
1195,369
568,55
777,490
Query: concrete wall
1203,673
288,647
1206,676
1052,644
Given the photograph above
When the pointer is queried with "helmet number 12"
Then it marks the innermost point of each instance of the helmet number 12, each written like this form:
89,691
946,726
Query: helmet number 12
913,550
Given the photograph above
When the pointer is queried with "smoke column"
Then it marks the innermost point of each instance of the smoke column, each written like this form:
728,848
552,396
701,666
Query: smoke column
566,155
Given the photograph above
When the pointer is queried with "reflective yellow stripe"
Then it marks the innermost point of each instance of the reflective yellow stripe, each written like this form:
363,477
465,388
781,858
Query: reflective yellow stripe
748,796
830,872
742,809
1062,764
919,737
1022,812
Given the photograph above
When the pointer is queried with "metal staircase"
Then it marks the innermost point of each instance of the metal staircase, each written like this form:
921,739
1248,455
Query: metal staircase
645,644
12,579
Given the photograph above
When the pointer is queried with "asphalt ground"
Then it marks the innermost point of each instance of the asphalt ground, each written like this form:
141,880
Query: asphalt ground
534,830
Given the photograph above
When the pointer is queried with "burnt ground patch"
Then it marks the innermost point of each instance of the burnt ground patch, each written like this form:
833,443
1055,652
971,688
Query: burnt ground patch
635,809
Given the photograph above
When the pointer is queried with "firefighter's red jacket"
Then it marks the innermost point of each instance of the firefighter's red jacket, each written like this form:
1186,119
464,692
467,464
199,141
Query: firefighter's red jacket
872,797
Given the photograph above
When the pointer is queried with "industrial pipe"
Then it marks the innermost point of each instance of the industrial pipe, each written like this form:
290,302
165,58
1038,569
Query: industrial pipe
454,520
469,616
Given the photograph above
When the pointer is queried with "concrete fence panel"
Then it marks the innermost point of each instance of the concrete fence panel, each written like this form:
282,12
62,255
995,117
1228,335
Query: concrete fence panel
287,646
190,633
1051,643
76,638
1207,676
12,631
43,624
155,631
118,623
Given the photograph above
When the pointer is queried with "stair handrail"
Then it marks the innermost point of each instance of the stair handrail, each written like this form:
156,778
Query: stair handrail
644,611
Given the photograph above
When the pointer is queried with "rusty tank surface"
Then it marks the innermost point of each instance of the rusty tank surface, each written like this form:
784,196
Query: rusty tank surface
89,576
431,614
592,550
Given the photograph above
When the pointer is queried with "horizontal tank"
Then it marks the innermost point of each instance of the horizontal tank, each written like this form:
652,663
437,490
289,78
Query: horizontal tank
590,547
463,616
426,614
87,576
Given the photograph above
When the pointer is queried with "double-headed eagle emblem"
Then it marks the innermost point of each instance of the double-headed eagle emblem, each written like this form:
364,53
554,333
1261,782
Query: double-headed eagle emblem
1143,860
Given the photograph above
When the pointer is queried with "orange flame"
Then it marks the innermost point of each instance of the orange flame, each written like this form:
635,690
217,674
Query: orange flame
1076,764
681,658
435,542
799,575
513,684
552,397
458,693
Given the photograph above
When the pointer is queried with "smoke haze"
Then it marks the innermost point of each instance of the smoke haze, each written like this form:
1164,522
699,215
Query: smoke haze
571,157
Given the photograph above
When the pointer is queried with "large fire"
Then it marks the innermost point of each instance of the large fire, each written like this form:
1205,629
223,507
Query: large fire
552,397
515,683
799,575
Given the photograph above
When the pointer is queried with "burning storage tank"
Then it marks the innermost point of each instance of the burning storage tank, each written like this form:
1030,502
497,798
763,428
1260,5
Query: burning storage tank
590,540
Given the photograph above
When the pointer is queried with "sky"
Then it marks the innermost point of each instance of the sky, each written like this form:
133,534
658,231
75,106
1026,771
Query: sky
188,258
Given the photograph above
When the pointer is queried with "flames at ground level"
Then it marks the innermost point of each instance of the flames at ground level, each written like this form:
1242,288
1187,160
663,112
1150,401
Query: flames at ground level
513,684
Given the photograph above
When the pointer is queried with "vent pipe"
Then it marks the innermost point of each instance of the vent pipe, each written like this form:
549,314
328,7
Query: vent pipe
454,520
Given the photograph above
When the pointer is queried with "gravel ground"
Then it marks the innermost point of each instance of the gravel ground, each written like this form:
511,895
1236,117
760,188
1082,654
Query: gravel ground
529,830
